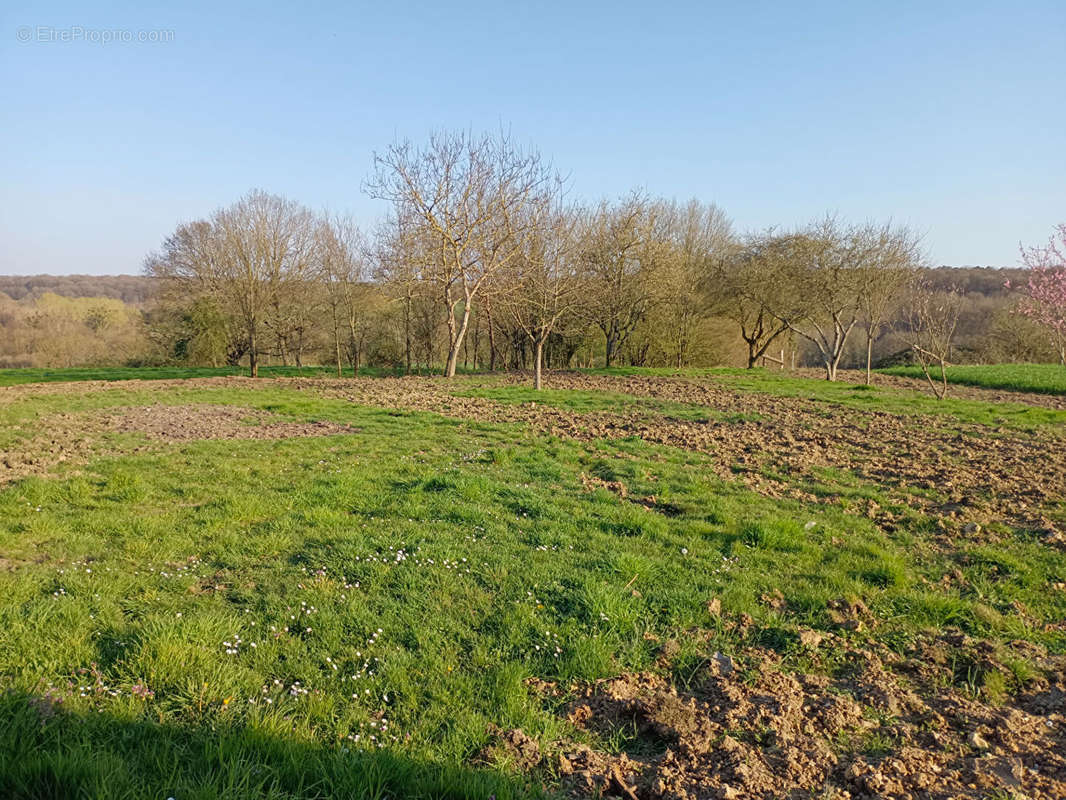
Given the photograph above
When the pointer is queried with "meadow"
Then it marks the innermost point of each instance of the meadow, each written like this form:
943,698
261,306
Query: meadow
1044,378
632,584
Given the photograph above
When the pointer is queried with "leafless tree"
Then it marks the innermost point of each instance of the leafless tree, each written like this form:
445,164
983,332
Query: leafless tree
343,272
543,286
242,257
820,287
696,236
932,318
750,286
620,257
468,195
888,257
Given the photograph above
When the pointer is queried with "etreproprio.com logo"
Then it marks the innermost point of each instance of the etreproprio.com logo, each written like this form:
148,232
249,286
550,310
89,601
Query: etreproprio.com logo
72,34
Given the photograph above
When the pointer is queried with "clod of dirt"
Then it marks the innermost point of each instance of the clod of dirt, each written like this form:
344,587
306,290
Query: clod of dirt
591,483
514,746
874,734
810,638
850,614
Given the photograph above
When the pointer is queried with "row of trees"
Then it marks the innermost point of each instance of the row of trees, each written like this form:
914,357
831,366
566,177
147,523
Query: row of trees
481,252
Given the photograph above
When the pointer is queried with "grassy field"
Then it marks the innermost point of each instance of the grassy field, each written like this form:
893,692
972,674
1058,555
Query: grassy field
350,614
1040,378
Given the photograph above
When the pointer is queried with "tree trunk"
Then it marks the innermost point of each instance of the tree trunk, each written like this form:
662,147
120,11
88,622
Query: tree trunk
753,356
537,363
476,336
869,357
253,354
457,334
407,335
492,334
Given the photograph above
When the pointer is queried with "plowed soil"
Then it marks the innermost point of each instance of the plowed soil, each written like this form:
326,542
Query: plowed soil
976,474
883,729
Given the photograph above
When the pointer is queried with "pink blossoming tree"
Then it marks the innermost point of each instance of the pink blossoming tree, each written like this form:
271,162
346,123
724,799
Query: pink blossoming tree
1044,299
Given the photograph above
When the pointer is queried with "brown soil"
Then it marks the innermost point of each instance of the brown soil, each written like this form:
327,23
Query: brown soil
885,728
979,474
74,437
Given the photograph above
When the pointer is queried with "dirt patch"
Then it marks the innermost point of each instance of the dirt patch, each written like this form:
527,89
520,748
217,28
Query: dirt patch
884,728
188,423
75,437
978,474
513,746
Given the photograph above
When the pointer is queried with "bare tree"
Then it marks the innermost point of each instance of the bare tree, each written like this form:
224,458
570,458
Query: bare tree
749,286
544,284
888,258
342,270
468,195
241,257
696,236
619,261
932,318
821,297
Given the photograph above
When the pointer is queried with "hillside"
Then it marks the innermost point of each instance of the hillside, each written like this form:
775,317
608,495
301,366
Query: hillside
133,289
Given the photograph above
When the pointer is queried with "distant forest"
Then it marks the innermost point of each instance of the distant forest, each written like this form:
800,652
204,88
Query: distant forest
132,289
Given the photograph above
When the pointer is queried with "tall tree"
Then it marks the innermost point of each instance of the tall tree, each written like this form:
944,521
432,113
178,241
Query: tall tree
343,273
468,196
620,256
696,237
749,286
822,302
886,260
241,257
543,287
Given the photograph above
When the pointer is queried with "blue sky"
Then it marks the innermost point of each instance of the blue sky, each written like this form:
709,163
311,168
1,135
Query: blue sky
949,117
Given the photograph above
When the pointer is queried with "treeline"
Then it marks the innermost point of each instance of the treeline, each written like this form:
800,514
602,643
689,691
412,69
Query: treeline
483,262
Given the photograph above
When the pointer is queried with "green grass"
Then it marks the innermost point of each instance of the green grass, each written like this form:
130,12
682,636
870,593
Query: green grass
1038,378
20,375
218,575
12,377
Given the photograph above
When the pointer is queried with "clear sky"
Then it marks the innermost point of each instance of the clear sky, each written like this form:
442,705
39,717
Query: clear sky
949,117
